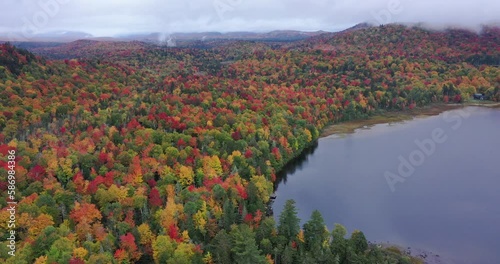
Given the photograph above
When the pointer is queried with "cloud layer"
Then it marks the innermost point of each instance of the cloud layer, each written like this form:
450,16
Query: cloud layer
111,17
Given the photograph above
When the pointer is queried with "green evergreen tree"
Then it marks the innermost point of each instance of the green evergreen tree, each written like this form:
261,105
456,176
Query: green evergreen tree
339,245
289,223
315,232
287,257
222,245
316,238
245,248
358,242
229,216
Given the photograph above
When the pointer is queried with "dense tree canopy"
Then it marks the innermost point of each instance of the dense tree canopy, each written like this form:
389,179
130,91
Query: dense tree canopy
130,152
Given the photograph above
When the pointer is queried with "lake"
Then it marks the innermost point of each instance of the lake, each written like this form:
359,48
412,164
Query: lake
431,183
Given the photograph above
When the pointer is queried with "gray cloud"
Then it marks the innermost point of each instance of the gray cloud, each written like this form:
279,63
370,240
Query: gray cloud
110,17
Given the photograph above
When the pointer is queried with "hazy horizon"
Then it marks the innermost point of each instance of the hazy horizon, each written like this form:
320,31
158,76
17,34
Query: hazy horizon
114,18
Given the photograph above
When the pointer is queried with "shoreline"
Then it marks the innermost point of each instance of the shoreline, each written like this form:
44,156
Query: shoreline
425,256
389,117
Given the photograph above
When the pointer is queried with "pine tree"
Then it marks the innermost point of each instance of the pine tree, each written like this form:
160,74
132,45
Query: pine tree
229,216
316,236
289,223
245,248
358,242
339,244
222,245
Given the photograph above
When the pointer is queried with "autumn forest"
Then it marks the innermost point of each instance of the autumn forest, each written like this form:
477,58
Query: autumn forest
132,152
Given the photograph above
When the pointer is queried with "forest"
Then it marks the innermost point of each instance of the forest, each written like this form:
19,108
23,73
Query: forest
128,152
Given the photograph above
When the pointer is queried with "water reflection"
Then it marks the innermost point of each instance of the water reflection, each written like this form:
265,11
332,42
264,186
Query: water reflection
448,206
294,165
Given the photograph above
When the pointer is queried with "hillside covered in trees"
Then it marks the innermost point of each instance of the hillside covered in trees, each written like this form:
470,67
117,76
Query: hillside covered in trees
134,153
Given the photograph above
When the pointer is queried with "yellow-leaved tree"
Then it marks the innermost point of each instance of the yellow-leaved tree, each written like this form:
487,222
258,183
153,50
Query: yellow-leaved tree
264,187
212,167
186,176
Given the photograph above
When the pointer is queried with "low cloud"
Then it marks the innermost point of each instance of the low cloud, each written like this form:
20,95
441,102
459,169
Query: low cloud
111,17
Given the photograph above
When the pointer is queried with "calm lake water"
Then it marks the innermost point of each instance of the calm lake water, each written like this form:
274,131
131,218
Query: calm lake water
449,204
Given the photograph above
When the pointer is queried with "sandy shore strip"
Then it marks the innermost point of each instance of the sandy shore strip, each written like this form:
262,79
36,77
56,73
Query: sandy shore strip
425,256
398,116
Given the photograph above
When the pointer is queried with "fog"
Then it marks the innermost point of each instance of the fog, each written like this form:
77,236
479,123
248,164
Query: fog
112,17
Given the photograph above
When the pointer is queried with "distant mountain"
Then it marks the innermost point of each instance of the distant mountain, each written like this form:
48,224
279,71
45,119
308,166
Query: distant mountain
171,39
183,38
161,38
277,35
53,36
91,48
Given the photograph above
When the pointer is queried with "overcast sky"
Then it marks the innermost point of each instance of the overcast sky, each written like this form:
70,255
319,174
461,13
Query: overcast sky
111,17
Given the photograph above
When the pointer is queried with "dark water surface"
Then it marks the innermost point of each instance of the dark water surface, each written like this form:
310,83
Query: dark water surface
449,204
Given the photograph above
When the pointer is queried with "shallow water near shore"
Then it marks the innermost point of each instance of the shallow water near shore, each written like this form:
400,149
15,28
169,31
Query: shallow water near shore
447,204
